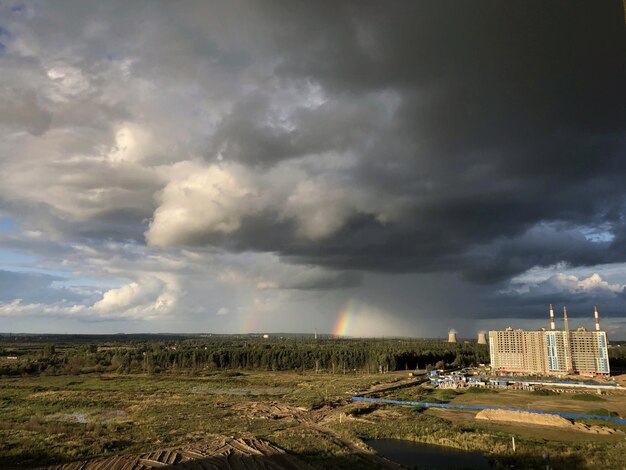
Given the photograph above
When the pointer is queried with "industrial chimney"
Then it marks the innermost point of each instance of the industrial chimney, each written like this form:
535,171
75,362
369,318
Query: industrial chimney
552,324
482,337
568,346
595,314
452,336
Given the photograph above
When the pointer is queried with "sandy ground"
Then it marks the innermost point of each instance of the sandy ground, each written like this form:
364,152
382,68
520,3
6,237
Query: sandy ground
542,420
621,379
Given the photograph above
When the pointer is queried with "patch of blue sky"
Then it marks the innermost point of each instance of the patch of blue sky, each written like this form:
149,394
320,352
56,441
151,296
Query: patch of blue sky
30,269
7,224
89,282
10,257
597,234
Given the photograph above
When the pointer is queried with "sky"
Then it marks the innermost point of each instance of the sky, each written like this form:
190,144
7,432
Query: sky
363,168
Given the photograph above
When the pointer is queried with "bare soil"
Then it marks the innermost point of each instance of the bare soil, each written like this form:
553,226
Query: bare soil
542,420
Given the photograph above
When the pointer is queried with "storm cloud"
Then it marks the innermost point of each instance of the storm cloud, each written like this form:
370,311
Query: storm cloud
282,156
421,135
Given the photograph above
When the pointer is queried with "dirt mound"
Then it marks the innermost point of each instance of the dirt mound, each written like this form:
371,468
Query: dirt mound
217,453
525,417
621,380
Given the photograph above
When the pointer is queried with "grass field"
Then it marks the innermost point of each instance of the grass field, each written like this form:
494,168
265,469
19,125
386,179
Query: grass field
62,418
567,402
53,419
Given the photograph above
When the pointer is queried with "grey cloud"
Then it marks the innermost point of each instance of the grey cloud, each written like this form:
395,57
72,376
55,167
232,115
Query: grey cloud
500,127
464,138
263,130
23,110
341,280
476,139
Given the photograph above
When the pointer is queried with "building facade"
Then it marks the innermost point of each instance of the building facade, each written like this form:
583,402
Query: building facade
550,352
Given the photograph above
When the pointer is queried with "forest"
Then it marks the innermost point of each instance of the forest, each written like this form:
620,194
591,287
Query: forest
67,354
79,354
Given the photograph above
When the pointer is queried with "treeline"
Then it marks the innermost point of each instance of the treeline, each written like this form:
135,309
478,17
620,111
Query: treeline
617,357
207,354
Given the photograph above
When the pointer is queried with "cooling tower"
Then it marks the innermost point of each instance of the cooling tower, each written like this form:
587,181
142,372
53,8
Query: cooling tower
452,336
482,337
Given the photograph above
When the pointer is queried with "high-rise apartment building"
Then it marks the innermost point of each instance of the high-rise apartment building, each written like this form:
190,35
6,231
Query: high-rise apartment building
553,351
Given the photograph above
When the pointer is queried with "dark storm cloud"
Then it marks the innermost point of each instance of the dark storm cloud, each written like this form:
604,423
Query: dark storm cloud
509,116
244,136
579,305
458,131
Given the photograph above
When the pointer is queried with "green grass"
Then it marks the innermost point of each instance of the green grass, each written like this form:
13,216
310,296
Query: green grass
158,411
602,412
442,395
586,397
479,390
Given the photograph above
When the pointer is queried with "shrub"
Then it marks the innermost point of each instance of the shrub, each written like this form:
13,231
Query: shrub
443,395
602,412
586,397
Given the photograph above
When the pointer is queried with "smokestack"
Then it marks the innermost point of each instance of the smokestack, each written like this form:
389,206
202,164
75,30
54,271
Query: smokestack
552,324
568,346
595,314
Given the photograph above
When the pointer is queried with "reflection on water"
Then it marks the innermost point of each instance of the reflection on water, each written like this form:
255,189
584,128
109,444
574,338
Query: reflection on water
415,455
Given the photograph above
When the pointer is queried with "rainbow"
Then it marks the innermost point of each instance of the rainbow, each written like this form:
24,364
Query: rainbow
344,320
249,321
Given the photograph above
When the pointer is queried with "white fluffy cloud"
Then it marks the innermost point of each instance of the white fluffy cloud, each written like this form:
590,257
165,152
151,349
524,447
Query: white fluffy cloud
200,200
562,283
591,284
204,200
149,299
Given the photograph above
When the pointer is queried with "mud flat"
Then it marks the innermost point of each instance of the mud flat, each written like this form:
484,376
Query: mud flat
216,453
524,417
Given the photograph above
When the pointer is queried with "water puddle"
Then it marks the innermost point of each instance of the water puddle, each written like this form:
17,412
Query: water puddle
416,455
